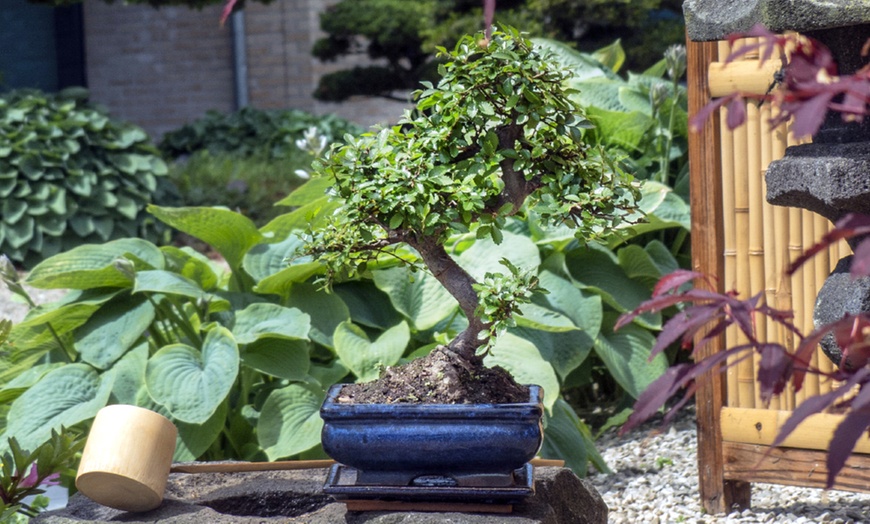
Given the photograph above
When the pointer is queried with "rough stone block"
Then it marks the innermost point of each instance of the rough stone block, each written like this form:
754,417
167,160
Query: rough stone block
296,497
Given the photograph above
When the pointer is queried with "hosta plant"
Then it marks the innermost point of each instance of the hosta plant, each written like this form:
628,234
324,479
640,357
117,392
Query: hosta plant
70,175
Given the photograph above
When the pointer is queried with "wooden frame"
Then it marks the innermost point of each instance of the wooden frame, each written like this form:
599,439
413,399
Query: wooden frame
734,429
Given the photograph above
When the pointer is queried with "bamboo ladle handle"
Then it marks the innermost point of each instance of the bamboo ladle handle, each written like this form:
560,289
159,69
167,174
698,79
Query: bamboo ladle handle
238,467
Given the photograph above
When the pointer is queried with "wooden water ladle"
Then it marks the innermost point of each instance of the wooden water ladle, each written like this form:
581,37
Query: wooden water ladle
128,458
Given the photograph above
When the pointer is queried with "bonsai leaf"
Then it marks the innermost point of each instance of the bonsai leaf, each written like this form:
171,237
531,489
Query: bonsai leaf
192,384
90,266
418,296
523,360
568,438
626,354
366,358
278,357
64,396
112,330
290,420
230,233
270,320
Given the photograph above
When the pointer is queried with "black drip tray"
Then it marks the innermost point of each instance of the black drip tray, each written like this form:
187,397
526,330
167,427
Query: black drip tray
342,483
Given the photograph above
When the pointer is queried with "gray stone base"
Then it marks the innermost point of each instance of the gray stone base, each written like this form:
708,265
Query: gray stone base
296,497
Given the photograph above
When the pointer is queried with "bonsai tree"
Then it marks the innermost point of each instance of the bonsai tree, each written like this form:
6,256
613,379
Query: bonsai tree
497,136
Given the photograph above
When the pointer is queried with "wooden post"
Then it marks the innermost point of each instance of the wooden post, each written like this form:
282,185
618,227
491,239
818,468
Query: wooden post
717,494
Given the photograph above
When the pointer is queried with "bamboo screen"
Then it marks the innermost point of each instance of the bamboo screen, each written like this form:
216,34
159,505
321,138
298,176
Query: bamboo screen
759,242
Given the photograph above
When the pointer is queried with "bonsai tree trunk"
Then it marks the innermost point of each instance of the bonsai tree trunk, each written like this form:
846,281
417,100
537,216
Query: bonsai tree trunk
459,284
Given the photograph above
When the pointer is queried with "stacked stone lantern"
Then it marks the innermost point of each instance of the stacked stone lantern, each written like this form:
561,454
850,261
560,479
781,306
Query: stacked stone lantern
830,176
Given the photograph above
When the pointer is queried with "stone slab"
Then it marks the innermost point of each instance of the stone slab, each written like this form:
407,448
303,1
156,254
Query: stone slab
293,497
716,19
828,179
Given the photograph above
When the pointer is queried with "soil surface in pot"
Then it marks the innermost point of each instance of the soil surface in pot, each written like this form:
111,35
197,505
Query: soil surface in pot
438,378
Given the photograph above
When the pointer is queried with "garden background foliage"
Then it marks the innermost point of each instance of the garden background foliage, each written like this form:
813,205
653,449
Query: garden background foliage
239,355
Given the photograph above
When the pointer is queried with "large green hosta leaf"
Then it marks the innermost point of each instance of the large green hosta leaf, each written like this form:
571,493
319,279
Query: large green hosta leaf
230,233
327,310
90,266
568,438
193,439
267,259
270,320
112,330
626,354
523,360
290,420
418,296
484,255
63,397
597,270
366,358
278,357
190,384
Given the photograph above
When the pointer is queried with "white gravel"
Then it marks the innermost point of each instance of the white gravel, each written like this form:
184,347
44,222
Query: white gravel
655,480
655,473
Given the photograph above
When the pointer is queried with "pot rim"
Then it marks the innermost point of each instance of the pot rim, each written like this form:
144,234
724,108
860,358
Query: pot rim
331,408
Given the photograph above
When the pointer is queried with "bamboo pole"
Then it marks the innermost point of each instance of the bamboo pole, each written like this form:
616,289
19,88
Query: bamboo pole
823,269
784,290
745,369
796,248
755,236
770,232
729,254
811,290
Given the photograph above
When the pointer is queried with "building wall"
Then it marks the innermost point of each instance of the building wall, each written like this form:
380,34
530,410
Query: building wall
159,68
163,68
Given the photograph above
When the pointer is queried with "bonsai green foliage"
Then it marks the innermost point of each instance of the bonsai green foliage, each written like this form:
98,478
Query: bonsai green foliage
497,130
23,473
69,175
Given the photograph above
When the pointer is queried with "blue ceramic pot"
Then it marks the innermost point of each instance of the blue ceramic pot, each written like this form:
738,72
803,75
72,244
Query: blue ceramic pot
432,439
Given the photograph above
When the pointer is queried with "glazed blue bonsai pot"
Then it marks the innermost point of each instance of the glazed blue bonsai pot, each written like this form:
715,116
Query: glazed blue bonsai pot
412,440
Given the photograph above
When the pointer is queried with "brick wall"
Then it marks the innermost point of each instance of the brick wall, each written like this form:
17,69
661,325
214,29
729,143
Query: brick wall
158,68
163,68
